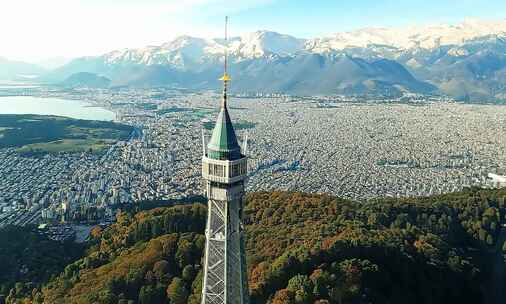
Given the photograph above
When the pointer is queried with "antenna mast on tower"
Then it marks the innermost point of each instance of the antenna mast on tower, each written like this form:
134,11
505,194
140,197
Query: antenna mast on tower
225,78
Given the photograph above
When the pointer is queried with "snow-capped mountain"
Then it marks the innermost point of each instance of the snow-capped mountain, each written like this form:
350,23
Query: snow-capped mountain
460,59
185,51
413,37
265,43
178,53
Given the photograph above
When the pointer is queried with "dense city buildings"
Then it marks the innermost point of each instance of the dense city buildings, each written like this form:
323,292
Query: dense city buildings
344,146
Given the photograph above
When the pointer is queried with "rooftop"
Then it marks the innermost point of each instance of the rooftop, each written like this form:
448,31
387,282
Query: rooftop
223,144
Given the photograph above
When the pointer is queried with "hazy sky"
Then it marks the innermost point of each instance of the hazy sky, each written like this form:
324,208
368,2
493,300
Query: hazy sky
32,30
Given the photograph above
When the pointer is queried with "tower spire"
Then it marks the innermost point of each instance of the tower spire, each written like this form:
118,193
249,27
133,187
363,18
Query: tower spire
225,78
225,173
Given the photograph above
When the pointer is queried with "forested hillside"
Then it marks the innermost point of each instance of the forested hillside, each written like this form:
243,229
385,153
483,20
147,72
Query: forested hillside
301,248
29,259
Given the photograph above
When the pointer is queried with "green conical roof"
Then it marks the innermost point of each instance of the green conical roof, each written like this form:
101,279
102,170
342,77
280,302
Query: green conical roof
223,144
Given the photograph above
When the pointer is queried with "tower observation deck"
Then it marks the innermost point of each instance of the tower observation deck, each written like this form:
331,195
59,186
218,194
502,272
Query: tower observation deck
224,170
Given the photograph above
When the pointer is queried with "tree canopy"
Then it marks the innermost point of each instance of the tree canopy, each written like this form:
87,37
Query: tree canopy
301,248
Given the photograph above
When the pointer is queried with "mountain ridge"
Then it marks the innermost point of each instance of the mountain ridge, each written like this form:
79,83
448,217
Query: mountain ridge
457,60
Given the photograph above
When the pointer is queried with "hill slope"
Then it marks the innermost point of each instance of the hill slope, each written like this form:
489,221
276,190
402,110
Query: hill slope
301,249
28,257
86,80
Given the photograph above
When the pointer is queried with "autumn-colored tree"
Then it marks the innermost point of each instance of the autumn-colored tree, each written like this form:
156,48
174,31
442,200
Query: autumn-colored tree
96,232
283,296
301,248
161,269
177,291
302,287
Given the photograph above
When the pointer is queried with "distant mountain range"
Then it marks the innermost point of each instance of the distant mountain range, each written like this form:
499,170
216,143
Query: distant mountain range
15,70
260,62
466,60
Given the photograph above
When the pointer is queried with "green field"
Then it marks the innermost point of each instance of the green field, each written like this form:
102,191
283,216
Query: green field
37,134
66,145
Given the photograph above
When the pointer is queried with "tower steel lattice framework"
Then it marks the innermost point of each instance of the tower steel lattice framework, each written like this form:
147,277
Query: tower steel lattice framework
224,170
